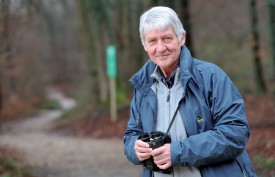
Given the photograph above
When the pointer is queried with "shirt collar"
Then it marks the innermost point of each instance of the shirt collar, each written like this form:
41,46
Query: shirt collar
168,81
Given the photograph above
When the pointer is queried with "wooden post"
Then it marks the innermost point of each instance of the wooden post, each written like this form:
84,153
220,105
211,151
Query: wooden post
111,72
113,105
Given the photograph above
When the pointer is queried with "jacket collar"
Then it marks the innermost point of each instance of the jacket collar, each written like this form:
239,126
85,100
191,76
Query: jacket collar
186,62
143,81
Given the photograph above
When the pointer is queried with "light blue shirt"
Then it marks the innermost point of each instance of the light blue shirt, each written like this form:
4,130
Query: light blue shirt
166,110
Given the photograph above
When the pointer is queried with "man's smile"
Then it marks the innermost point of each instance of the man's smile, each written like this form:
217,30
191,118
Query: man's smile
162,56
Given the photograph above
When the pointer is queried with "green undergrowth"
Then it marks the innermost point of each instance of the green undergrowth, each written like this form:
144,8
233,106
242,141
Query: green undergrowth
52,105
13,168
264,162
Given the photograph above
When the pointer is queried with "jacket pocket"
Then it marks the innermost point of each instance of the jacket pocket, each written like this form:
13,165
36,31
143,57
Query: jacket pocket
230,168
200,121
203,119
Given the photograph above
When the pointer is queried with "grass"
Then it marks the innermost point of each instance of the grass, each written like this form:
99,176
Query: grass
52,105
13,168
264,162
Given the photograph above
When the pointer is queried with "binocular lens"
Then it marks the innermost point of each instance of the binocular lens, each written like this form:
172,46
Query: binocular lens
156,135
144,137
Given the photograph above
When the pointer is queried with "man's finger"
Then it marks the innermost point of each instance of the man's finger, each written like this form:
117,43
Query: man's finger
157,151
143,150
164,166
142,144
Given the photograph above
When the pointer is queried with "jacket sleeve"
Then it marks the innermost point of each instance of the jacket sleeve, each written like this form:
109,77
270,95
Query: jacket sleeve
133,130
230,132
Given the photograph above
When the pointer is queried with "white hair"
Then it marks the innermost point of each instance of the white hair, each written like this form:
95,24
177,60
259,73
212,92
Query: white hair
160,18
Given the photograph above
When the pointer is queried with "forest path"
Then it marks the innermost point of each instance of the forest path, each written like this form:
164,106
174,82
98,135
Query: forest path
55,155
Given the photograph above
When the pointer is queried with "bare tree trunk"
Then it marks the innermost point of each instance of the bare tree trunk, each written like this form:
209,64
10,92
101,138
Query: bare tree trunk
100,64
2,17
134,35
1,100
271,22
259,78
93,16
183,8
86,37
125,46
5,49
100,24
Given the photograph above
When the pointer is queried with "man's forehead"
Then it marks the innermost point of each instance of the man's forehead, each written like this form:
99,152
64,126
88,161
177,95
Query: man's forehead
160,32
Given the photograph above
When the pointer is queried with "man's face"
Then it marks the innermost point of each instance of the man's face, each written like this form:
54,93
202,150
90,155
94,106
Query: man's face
164,48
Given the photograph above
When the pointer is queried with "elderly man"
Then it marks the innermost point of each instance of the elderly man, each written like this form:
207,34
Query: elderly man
191,101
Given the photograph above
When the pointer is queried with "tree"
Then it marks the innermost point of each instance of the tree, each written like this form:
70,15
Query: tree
5,48
259,78
94,22
271,21
183,8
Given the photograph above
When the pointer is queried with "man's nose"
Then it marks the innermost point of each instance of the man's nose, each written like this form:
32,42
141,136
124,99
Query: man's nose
160,47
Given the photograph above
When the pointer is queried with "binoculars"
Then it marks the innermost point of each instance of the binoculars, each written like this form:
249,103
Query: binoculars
155,140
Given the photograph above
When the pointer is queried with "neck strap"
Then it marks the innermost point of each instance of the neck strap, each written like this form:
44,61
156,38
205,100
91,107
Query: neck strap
174,116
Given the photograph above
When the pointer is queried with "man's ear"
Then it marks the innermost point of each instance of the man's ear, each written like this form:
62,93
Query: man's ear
182,41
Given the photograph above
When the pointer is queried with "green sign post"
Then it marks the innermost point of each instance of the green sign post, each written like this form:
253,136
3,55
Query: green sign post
112,72
111,61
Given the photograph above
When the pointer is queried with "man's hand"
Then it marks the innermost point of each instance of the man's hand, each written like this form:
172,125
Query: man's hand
162,156
142,149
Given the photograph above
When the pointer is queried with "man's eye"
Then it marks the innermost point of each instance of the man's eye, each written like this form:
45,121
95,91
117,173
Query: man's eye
152,42
167,39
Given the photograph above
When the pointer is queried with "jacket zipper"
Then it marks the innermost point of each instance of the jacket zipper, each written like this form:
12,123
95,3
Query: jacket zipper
168,96
240,167
169,106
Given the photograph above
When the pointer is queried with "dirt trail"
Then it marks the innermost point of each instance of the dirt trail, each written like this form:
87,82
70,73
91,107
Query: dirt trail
55,155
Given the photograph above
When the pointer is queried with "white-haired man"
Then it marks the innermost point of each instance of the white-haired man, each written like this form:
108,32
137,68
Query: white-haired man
195,101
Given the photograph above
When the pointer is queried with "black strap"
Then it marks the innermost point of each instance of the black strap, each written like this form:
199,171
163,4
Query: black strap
174,116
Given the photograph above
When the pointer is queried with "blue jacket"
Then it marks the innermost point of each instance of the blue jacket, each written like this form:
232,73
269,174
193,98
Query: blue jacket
213,113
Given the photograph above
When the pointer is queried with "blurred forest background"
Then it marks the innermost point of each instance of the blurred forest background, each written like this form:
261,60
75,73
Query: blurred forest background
62,44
